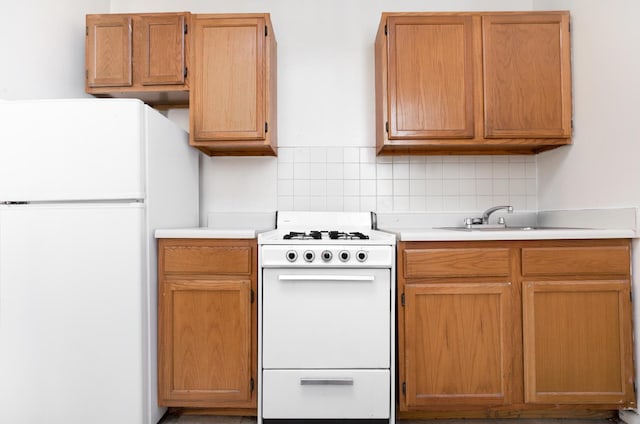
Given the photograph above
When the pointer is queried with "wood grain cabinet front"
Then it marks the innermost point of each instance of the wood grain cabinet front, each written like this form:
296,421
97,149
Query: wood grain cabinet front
138,55
207,324
513,328
233,96
472,83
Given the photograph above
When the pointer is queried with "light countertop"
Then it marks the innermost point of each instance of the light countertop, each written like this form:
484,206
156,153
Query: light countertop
435,234
205,232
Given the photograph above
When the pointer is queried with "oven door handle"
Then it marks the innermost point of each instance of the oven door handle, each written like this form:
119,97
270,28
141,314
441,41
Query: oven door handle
340,381
324,277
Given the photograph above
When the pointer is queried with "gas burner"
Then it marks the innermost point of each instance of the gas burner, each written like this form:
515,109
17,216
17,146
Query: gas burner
296,235
339,235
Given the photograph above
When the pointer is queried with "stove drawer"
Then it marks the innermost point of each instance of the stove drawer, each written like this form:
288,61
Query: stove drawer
310,394
328,318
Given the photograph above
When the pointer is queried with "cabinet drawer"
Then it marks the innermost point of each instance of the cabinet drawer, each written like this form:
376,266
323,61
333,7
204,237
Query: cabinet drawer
185,259
462,262
575,260
308,394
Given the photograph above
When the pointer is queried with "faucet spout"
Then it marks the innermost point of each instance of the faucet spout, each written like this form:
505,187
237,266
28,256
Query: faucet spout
486,214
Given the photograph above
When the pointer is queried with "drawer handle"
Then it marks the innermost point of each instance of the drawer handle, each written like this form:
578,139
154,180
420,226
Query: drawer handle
306,381
307,277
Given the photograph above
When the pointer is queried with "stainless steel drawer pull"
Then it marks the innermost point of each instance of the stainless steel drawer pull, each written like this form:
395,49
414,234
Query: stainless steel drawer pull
308,277
305,381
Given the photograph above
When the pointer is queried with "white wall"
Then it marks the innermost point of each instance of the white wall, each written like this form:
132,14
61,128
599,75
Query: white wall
42,47
602,167
326,117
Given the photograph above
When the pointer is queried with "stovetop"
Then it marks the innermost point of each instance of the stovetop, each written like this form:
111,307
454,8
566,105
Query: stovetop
319,235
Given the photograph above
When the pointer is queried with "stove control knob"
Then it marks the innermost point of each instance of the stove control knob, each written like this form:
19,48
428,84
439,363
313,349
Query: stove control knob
344,255
361,255
292,255
309,256
326,255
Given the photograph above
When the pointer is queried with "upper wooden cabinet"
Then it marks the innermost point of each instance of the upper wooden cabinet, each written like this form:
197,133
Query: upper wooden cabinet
140,55
233,94
473,83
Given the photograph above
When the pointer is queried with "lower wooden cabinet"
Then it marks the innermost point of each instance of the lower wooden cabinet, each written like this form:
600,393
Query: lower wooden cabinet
207,345
538,325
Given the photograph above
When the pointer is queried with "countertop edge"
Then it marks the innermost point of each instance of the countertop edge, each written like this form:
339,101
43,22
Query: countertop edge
433,234
205,233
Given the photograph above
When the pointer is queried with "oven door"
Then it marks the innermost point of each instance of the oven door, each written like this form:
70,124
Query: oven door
326,318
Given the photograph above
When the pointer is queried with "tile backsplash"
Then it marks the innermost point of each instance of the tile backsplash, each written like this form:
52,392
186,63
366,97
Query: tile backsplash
355,179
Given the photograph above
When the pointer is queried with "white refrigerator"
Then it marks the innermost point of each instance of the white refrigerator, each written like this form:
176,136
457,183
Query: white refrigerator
83,185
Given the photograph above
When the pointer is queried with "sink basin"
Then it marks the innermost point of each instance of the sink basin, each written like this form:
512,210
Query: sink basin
507,228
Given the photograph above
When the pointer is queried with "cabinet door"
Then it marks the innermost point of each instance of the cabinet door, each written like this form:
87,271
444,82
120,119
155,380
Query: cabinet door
527,80
457,346
430,77
228,96
577,342
162,49
108,51
205,343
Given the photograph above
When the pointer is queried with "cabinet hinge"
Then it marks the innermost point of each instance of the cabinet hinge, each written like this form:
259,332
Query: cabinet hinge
266,31
266,127
252,384
386,126
86,29
402,299
404,388
186,71
572,124
385,29
252,296
86,74
186,28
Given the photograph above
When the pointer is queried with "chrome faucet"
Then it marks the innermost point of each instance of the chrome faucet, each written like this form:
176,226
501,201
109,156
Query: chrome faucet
486,214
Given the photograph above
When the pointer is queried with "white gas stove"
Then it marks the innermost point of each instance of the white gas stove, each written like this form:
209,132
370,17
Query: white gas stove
326,319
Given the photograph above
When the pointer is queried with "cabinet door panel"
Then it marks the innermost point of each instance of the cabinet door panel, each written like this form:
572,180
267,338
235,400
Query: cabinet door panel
205,341
162,49
430,75
109,60
457,347
230,76
527,79
577,342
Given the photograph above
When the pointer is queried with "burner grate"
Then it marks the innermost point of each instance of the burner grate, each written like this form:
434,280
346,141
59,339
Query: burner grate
319,235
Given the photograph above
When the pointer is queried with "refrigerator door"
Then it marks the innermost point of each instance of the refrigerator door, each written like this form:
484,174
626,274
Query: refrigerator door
71,327
79,149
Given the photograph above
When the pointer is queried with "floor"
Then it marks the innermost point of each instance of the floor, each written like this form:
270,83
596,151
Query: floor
204,419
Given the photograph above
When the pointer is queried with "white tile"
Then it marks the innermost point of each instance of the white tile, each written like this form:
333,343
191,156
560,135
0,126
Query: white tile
318,188
531,159
500,170
367,187
400,203
301,188
500,159
451,159
367,155
385,203
484,187
335,203
352,203
368,171
517,158
500,187
301,170
301,203
532,187
518,202
451,203
467,159
317,154
417,159
400,188
434,170
318,171
368,203
351,171
517,187
351,155
400,170
417,170
500,199
401,159
532,203
531,170
468,203
335,155
285,203
467,170
484,159
384,171
301,154
484,202
417,203
517,170
351,188
317,203
450,187
484,170
285,187
434,203
384,159
285,154
450,170
335,171
467,187
435,159
335,188
434,187
418,188
384,188
285,170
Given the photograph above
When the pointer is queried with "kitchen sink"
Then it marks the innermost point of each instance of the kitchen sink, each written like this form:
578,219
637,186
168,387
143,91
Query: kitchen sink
505,228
